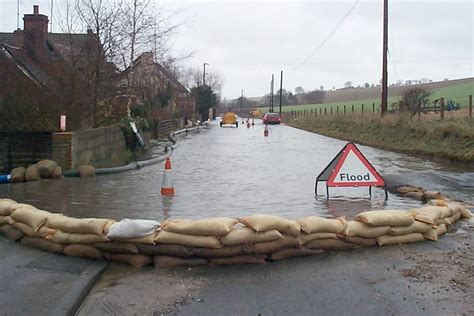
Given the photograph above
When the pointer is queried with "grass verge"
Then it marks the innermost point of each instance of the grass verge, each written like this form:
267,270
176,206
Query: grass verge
448,140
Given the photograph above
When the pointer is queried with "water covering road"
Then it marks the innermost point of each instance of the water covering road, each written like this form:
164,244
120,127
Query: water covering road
237,171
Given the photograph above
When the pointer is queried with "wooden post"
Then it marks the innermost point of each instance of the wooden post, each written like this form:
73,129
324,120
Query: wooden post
337,110
352,108
344,109
362,108
470,106
325,111
442,109
373,107
320,110
331,110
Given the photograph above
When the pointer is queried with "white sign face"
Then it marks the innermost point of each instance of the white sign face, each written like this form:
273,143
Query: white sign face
62,123
353,170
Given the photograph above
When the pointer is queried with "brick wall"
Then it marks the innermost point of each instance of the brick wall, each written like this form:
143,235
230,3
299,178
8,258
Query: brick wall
100,147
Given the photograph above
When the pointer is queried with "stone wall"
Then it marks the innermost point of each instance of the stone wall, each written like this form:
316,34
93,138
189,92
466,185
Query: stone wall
100,147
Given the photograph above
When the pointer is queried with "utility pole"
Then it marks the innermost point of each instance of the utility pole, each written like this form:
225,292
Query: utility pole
51,31
384,58
18,14
281,88
204,74
271,94
241,99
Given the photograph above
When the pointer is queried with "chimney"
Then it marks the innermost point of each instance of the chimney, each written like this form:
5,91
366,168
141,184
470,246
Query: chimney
35,32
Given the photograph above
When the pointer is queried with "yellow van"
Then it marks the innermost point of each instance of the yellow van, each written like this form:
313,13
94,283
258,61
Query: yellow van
230,118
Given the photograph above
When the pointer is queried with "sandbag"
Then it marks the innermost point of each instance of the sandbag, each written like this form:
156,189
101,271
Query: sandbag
385,218
31,216
265,248
408,188
435,232
164,237
315,224
6,206
42,244
32,173
428,214
355,228
86,171
246,235
168,262
57,173
17,175
132,228
433,195
363,242
136,261
437,202
304,238
445,212
227,251
245,259
465,212
73,238
11,233
262,223
78,225
294,252
415,195
453,218
219,226
171,250
149,240
4,220
46,168
43,232
117,247
85,251
329,244
416,227
402,239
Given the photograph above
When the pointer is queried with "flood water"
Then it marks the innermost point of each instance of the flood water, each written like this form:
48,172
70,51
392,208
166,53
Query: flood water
237,171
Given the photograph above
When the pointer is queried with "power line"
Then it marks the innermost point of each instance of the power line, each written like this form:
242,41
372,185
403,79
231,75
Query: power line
321,45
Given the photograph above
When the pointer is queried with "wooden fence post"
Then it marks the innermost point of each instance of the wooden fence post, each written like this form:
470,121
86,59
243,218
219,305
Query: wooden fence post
320,110
337,110
362,108
442,109
344,109
373,108
352,108
325,111
470,106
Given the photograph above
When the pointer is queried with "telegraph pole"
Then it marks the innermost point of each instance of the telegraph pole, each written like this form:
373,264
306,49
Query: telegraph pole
241,99
204,74
271,95
281,88
384,58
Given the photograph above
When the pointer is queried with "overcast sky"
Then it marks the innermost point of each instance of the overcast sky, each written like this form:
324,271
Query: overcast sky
247,41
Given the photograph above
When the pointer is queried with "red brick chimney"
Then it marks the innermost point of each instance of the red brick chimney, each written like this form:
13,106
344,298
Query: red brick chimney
35,32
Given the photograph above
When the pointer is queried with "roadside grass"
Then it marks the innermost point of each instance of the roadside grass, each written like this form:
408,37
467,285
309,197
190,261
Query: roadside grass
451,139
458,93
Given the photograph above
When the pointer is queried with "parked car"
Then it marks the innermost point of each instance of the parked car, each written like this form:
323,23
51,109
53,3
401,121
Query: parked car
271,118
230,118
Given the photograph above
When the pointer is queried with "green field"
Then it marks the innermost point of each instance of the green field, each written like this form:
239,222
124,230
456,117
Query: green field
458,93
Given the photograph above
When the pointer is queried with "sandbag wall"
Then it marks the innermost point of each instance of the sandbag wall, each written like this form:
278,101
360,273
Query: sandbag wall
221,241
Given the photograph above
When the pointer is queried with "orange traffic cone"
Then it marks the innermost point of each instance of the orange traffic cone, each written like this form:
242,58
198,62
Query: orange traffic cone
167,186
265,131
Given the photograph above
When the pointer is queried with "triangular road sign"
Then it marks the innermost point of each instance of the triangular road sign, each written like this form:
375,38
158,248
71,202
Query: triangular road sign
353,169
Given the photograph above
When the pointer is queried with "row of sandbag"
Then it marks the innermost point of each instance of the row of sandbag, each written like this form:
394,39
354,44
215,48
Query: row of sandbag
259,237
46,169
418,193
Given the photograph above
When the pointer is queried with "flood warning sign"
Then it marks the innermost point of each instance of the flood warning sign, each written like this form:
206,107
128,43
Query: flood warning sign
353,169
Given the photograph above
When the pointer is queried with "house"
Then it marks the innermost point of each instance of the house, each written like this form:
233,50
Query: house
43,76
154,91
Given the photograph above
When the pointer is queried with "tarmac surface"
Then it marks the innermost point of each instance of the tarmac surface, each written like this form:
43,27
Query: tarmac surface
425,278
34,282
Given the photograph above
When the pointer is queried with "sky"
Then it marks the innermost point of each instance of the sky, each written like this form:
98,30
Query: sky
245,42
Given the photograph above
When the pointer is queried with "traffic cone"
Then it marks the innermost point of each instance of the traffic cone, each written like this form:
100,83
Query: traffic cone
265,131
167,186
248,125
253,121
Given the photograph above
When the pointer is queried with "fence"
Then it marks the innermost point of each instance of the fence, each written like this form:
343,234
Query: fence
372,109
